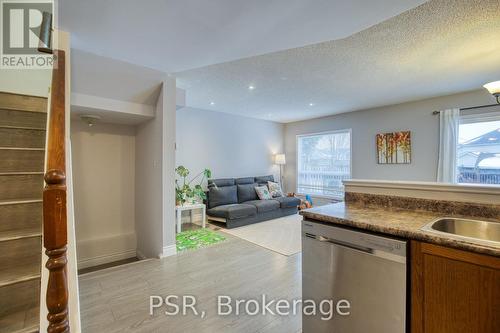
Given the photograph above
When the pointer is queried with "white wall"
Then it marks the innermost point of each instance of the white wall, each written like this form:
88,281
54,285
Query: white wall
169,96
34,82
148,172
415,116
104,192
155,194
229,145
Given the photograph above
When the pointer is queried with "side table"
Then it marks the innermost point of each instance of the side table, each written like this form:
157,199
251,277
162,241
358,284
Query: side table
190,208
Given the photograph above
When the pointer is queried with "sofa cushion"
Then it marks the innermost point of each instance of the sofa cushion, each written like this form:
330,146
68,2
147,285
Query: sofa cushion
275,189
264,179
234,211
221,182
263,193
288,202
247,192
246,180
264,205
222,195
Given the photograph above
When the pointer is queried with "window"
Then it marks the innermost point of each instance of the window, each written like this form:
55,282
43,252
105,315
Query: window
478,151
323,162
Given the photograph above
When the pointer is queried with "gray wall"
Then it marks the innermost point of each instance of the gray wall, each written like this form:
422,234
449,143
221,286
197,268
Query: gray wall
229,145
414,116
104,190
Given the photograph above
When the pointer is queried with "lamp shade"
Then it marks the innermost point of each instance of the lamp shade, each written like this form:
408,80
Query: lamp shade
493,88
279,159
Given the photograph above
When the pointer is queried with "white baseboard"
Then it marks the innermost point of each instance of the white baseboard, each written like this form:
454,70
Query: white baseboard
104,259
168,251
98,251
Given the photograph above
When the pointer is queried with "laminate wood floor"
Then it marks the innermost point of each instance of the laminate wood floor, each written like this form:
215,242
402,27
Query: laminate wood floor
117,299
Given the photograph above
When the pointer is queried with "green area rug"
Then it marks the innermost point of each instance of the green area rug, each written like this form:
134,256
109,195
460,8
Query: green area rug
195,239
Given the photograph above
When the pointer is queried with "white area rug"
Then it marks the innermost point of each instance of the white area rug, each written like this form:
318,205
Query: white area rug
280,235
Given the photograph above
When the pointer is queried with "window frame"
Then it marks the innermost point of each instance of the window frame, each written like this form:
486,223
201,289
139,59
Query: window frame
479,117
298,136
473,118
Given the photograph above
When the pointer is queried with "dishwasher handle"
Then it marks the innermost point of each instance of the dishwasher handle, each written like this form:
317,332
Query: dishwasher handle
345,244
356,247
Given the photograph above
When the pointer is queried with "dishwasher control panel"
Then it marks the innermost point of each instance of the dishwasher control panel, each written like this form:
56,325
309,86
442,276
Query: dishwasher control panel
353,238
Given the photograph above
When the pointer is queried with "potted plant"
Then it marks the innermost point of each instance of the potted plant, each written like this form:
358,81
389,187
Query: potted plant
184,191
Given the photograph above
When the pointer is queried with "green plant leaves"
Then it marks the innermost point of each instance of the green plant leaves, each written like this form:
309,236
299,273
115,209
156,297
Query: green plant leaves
186,192
182,171
198,191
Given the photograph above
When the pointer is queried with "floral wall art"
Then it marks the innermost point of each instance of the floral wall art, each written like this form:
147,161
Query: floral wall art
394,148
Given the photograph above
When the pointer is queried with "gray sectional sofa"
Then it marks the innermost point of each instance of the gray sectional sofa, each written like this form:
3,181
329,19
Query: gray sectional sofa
235,202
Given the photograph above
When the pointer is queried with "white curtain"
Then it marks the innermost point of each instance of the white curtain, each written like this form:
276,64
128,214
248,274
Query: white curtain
448,140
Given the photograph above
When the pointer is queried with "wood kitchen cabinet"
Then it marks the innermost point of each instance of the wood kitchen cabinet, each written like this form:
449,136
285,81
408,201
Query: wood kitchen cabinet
453,291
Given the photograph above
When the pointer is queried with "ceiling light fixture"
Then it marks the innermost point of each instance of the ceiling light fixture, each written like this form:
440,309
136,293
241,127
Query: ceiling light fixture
90,119
212,103
494,89
311,104
251,87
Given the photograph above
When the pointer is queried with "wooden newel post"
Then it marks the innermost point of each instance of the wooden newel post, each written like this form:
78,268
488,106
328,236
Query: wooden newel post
54,204
55,240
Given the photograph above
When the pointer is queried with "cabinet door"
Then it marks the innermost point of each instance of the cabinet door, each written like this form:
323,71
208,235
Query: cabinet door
454,291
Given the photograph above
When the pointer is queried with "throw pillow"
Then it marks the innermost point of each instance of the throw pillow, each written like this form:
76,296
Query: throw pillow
223,195
263,192
275,189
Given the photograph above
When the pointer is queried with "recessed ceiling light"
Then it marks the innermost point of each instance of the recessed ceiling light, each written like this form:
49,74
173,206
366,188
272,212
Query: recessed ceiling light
311,104
212,103
251,87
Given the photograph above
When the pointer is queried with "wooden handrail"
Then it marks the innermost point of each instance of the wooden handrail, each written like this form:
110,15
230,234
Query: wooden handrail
54,202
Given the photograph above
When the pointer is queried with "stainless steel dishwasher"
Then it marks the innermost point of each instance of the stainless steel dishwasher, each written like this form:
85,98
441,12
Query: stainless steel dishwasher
368,271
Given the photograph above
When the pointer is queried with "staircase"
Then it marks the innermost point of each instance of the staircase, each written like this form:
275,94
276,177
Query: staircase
22,153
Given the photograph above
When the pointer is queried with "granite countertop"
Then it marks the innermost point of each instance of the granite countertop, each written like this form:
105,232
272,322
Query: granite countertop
400,222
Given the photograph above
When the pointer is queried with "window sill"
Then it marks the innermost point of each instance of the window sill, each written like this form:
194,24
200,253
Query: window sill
319,196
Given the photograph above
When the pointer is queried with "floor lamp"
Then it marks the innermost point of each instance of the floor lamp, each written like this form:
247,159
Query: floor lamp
280,160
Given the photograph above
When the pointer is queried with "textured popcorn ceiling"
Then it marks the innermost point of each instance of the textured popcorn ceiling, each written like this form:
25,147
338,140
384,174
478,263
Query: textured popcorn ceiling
438,48
175,35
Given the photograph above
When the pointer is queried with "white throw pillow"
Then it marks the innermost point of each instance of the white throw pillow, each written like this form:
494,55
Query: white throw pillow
275,189
263,192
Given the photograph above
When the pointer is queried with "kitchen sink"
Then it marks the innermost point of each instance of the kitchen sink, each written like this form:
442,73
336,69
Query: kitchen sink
479,231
